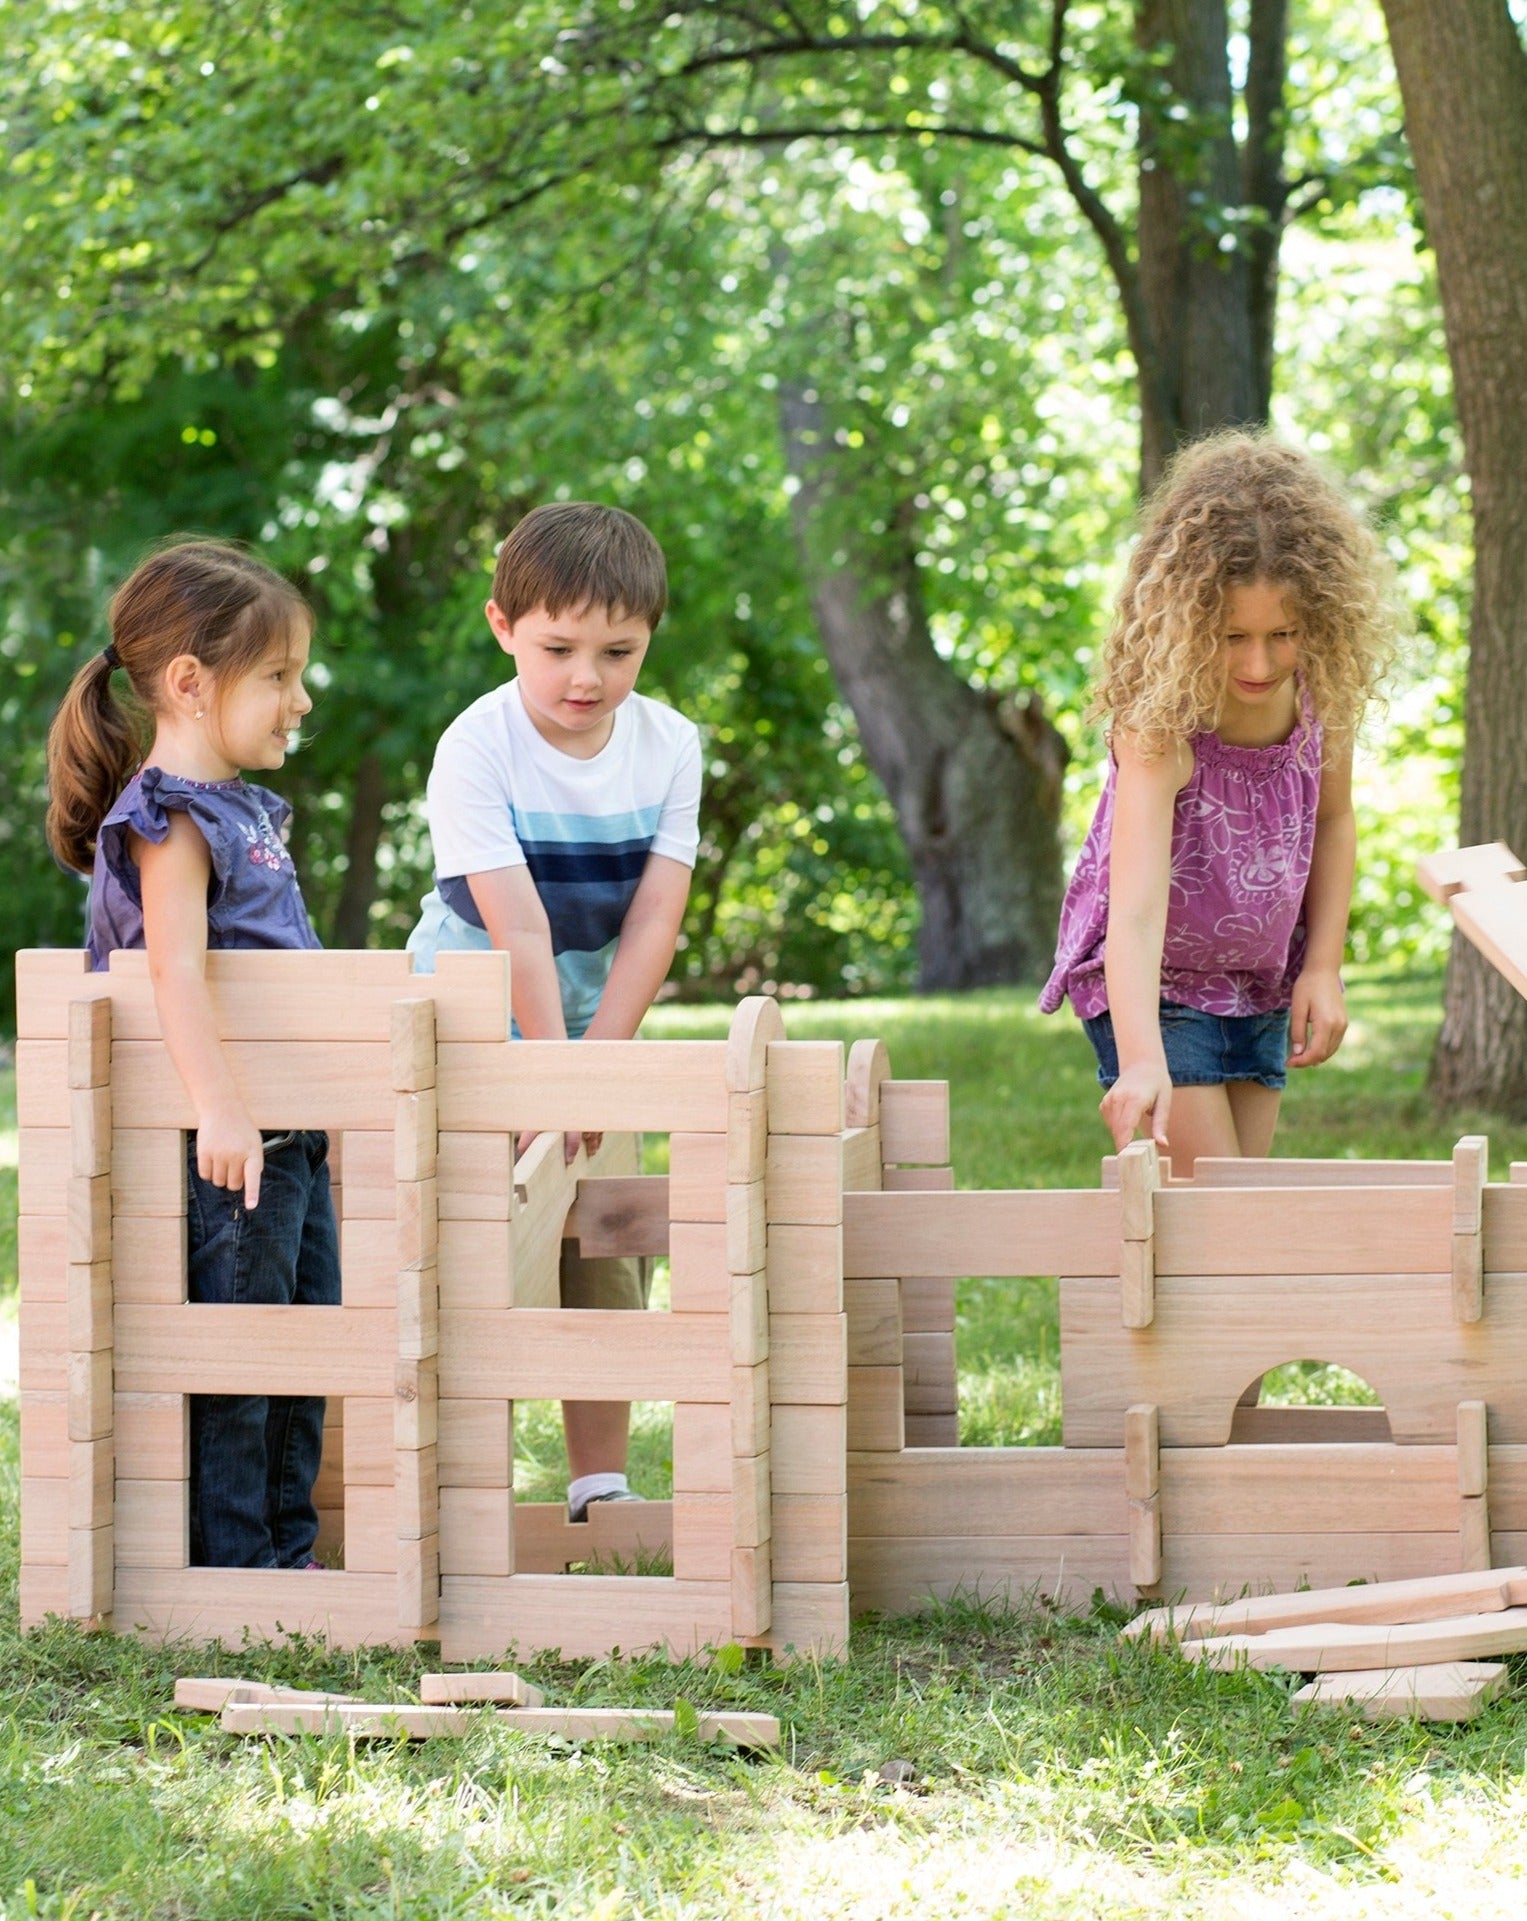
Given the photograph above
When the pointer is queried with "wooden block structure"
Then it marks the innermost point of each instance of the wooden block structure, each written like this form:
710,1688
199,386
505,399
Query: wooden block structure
815,1242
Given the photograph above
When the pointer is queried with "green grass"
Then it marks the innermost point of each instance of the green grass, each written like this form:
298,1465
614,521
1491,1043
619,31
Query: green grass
1047,1769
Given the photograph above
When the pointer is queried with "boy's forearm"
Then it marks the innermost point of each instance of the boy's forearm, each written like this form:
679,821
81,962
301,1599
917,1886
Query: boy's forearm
534,991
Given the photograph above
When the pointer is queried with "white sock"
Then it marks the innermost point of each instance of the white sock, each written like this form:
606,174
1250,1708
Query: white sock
588,1486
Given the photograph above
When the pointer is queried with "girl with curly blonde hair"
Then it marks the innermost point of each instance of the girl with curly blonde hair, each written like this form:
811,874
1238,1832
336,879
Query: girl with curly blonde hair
1203,930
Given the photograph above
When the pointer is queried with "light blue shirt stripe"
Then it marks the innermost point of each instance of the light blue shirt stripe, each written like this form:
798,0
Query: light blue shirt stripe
594,829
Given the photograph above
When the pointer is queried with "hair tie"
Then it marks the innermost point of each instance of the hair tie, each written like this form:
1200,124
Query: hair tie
110,655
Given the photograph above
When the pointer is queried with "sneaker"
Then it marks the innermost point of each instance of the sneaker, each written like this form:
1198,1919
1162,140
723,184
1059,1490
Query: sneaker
581,1512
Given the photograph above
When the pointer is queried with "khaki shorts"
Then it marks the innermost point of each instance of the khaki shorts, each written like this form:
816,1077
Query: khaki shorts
621,1281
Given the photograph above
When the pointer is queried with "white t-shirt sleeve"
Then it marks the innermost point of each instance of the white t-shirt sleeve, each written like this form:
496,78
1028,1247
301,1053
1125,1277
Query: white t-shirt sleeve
678,827
467,802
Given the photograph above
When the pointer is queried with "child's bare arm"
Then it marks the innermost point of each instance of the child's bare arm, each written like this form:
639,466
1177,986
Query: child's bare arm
516,921
648,936
1318,1016
1139,874
173,875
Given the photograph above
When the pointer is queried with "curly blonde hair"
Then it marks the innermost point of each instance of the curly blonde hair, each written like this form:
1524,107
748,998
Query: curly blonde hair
1234,509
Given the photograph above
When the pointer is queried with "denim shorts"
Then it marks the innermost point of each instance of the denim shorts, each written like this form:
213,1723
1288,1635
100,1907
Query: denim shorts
1205,1050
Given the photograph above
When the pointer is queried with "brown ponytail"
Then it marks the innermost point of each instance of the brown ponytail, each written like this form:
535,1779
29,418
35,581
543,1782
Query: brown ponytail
206,598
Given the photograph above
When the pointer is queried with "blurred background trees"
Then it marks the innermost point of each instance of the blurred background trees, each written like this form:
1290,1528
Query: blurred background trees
876,315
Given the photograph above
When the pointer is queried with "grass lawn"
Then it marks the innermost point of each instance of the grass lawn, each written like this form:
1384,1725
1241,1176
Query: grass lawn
1050,1770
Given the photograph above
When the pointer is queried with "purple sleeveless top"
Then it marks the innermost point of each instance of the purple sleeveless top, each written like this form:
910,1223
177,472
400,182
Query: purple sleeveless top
253,899
1243,832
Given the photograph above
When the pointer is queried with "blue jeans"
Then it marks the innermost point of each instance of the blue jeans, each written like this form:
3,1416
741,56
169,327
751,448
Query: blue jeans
1205,1050
255,1457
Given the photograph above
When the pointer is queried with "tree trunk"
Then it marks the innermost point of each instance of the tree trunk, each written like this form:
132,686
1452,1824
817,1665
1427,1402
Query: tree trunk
975,780
1463,79
1204,305
352,916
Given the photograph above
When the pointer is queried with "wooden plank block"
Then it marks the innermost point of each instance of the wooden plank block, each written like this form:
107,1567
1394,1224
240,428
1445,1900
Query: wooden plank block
1489,865
92,1568
749,1306
369,1440
417,1226
147,1166
45,1521
476,1531
1331,1231
1323,1646
348,1609
697,1177
746,1227
805,1267
47,980
1470,1173
928,1493
87,1220
869,1067
1436,1598
1292,1172
750,1501
286,995
371,1531
92,1482
803,1181
876,1409
702,1448
545,1187
810,1538
747,1135
544,1354
500,1687
1473,1448
418,1313
752,1578
43,1348
808,1358
1277,1426
1139,1179
628,1214
580,1617
219,1349
808,1450
997,1234
370,1175
932,1430
90,1394
1474,1538
416,1410
900,1577
89,1306
1142,1488
416,1137
1213,1335
749,1410
809,1620
805,1087
916,1180
927,1306
151,1432
615,1534
584,1086
702,1537
1495,920
210,1694
45,1436
42,1257
89,1043
476,1265
914,1121
1444,1691
412,1043
334,1084
148,1261
699,1281
928,1374
417,1490
153,1524
90,1129
756,1022
42,1591
873,1308
475,1173
1309,1488
862,1169
401,1722
476,1443
417,1586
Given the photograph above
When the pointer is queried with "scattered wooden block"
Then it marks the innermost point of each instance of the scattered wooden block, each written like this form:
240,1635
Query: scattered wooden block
210,1694
1326,1645
499,1687
1432,1598
1439,1691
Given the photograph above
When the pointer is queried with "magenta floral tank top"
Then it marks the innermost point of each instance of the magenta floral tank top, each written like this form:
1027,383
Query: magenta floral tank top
1243,832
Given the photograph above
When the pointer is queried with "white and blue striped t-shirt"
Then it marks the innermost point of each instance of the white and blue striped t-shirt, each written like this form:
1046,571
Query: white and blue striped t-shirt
500,795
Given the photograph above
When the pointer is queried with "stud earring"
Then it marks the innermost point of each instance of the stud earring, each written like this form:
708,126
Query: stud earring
198,713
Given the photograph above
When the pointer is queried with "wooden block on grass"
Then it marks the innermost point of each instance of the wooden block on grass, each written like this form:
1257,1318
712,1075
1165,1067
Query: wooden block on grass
1323,1646
1385,1603
210,1694
1440,1691
500,1688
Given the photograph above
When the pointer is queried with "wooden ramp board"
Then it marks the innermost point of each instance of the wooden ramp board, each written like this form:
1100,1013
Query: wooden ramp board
1323,1646
1438,1691
384,1720
1386,1602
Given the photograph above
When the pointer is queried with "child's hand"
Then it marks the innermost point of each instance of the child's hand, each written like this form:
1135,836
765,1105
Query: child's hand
570,1144
1141,1095
230,1153
1317,1019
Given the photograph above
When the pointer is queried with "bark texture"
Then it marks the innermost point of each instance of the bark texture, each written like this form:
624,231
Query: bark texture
975,780
1463,78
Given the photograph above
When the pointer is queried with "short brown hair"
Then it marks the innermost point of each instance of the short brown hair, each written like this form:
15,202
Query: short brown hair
575,553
